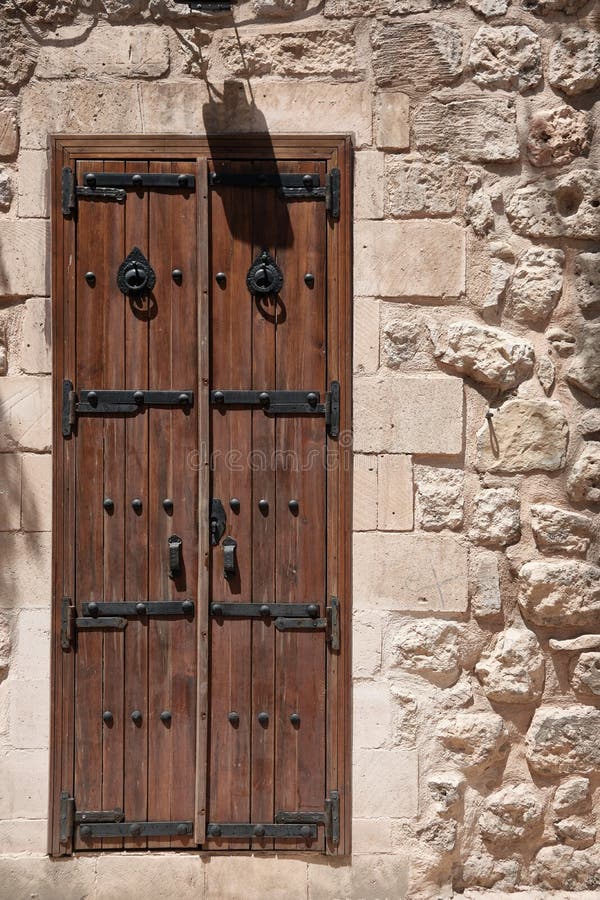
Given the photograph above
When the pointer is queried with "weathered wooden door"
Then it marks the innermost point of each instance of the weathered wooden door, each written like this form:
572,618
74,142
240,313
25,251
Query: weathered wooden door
200,493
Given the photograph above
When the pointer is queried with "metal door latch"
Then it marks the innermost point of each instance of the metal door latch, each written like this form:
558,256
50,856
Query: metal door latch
218,521
229,547
175,561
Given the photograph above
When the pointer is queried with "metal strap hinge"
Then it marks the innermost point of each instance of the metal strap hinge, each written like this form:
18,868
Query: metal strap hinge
103,402
285,403
108,828
67,623
291,186
330,818
286,616
112,185
66,818
113,615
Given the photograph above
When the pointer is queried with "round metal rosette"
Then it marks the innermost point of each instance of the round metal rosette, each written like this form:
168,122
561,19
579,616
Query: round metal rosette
264,275
136,276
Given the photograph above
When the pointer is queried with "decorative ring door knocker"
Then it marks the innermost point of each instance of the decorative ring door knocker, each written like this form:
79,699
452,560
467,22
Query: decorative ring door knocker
136,276
264,275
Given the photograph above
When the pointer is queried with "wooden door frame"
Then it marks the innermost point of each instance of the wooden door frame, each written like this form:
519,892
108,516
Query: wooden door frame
337,151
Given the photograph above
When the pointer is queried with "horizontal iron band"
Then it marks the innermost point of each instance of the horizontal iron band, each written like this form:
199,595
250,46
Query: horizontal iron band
97,402
281,402
135,829
301,818
308,611
249,830
151,608
305,181
291,624
86,623
138,180
104,815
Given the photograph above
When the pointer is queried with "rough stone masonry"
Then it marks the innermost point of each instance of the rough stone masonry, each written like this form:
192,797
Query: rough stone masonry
476,751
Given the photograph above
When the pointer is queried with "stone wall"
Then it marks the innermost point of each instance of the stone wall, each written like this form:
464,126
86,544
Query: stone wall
477,470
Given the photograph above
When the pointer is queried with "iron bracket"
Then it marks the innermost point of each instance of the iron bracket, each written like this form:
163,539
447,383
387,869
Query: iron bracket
291,186
330,818
141,609
264,610
281,403
112,185
250,830
85,623
103,815
135,829
67,623
333,623
101,402
66,818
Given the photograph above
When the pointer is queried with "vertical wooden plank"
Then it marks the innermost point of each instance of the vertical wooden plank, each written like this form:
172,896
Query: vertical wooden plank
113,350
89,568
136,525
230,355
301,538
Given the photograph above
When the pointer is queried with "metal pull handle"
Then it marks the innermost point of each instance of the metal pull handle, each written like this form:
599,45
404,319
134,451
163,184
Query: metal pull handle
229,545
175,543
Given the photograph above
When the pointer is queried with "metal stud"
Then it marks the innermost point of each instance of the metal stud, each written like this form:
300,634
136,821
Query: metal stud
138,396
295,720
182,829
93,608
312,398
90,179
259,831
135,829
137,180
85,831
234,718
136,717
216,609
177,276
184,399
293,507
263,505
313,610
218,396
107,716
264,610
136,505
108,504
166,716
168,505
90,277
264,399
140,609
235,504
308,182
182,181
263,718
187,607
92,397
221,279
214,831
309,280
305,831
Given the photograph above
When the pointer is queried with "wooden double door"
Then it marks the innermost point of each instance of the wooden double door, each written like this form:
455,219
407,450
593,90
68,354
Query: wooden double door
201,495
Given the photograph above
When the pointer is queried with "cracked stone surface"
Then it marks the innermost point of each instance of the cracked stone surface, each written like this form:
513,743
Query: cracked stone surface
513,670
509,58
486,354
560,592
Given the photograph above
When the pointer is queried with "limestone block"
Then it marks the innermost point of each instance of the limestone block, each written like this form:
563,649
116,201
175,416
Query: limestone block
479,130
402,414
385,783
440,497
583,484
561,207
37,492
563,342
509,58
571,795
535,286
481,870
585,674
22,876
416,54
589,424
392,120
31,651
401,338
562,592
574,65
371,715
366,643
546,373
496,520
368,184
10,492
6,193
564,741
29,714
25,406
584,371
416,188
366,335
33,184
411,572
486,602
544,7
278,9
511,815
524,435
447,790
25,576
371,836
575,832
17,65
587,281
557,136
22,257
36,353
394,493
583,642
479,212
370,875
475,740
22,836
409,259
329,53
164,875
426,647
486,354
513,670
9,132
24,784
364,484
558,865
5,645
560,530
108,52
489,8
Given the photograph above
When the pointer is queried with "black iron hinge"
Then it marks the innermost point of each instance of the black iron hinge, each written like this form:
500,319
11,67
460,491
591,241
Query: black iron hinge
286,616
113,185
291,186
330,818
114,615
101,403
66,820
110,823
285,403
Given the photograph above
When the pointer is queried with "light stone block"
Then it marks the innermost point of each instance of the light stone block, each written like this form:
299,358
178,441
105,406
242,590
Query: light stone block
49,879
23,272
159,876
394,493
371,835
25,413
22,836
108,52
392,120
366,335
29,714
36,351
408,414
31,655
417,259
10,492
371,715
24,784
366,877
25,573
255,878
33,184
385,783
9,132
367,629
37,492
365,493
368,185
410,572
